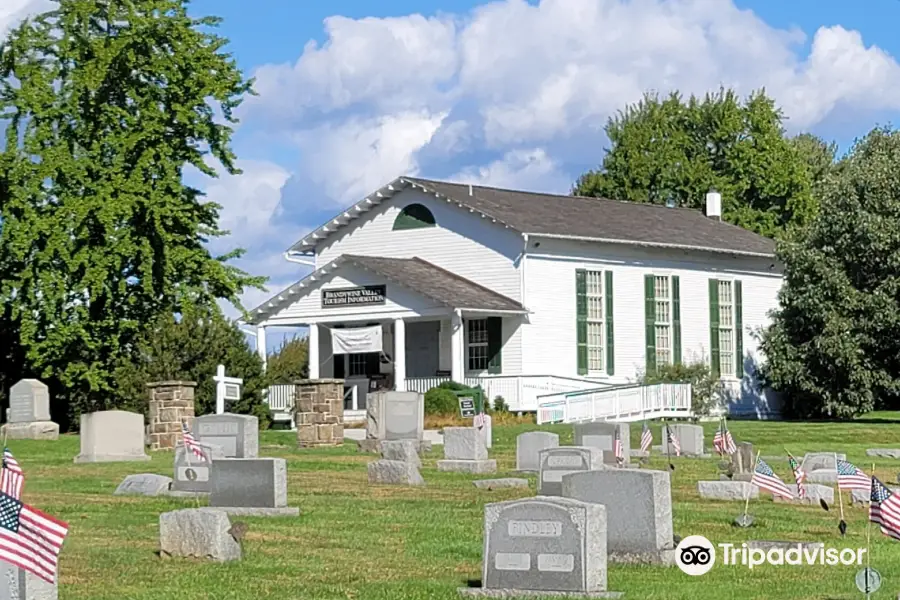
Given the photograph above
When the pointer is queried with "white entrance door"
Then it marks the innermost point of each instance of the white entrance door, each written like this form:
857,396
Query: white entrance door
422,348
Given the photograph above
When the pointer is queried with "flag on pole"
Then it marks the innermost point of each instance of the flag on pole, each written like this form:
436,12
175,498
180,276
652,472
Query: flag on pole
618,447
765,478
29,538
646,438
852,478
11,476
190,443
722,441
673,440
884,509
799,476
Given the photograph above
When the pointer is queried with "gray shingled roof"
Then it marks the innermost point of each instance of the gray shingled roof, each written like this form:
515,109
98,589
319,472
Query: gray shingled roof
602,219
421,276
436,283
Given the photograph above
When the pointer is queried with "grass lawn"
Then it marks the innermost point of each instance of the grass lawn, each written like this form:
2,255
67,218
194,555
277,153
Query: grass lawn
354,542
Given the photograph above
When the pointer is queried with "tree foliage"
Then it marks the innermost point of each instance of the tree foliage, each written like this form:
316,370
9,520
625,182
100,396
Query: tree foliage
190,349
833,347
666,148
290,362
105,104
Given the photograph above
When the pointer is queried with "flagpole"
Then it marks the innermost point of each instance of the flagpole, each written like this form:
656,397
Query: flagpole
842,526
666,443
750,488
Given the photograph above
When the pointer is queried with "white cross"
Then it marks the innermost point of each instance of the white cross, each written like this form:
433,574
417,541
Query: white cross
227,388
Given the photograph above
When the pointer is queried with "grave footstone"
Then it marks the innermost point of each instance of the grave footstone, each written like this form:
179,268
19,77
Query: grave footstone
250,486
821,467
144,484
556,462
544,544
638,511
112,436
17,584
237,435
504,482
602,435
814,493
528,447
191,475
198,533
402,450
464,451
29,413
727,490
883,452
394,472
689,436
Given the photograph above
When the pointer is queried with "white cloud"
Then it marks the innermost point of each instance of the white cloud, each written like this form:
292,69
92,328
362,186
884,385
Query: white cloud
349,160
12,12
531,170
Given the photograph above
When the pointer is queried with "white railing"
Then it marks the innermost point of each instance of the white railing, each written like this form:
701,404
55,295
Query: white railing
623,403
521,392
280,398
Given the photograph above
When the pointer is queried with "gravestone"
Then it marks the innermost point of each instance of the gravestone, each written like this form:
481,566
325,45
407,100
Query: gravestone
18,584
144,484
465,451
198,533
487,430
602,435
237,435
543,544
394,416
504,482
743,462
528,447
814,493
402,450
689,436
821,467
556,462
112,436
192,475
727,490
29,413
250,486
638,511
394,472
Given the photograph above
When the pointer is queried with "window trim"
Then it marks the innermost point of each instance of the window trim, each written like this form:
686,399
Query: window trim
486,345
405,221
671,322
601,276
728,375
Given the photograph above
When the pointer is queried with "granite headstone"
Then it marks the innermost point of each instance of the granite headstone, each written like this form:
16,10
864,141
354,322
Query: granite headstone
556,462
144,484
29,413
528,447
599,434
690,437
17,584
112,436
192,473
237,435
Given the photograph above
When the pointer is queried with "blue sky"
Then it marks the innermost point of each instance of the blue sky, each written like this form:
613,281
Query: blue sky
508,93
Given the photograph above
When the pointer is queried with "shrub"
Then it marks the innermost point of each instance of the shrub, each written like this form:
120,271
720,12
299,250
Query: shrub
500,405
704,384
441,401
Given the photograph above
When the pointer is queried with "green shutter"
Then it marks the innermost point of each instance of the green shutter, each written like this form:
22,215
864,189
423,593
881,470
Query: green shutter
650,322
738,329
714,326
610,331
676,320
581,320
495,344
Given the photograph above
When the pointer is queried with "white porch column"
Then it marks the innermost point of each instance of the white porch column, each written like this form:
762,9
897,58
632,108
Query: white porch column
399,355
457,373
314,351
261,346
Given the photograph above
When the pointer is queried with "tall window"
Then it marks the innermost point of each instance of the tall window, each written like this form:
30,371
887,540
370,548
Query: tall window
726,327
596,334
477,337
357,367
662,288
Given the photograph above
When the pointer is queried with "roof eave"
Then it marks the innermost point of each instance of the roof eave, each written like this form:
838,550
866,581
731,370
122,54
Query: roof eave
580,238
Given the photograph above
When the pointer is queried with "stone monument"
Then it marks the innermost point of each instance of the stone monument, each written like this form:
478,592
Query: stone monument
237,435
465,451
556,462
602,435
394,416
112,436
191,475
529,446
18,584
250,486
29,413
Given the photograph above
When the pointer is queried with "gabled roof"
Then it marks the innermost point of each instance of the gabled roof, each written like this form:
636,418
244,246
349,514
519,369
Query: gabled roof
420,276
570,217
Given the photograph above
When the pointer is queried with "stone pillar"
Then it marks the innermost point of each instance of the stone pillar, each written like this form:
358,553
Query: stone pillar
319,412
399,355
313,352
171,402
261,346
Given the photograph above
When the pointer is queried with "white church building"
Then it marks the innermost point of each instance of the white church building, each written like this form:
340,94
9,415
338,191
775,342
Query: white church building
538,298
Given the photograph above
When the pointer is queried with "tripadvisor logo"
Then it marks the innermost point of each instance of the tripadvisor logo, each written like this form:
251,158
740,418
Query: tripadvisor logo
696,555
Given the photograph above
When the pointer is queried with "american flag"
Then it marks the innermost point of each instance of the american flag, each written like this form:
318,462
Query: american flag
673,440
11,476
619,447
29,538
765,478
190,443
722,441
478,421
799,476
884,509
646,438
851,478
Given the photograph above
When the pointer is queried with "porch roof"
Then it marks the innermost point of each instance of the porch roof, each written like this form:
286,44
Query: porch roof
425,278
